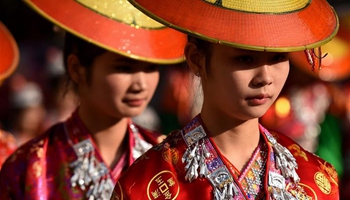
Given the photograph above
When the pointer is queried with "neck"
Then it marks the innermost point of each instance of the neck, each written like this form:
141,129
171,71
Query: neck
107,132
236,139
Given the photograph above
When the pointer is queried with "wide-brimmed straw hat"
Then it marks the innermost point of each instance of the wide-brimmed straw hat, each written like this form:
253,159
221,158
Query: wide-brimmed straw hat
116,26
262,25
9,54
336,63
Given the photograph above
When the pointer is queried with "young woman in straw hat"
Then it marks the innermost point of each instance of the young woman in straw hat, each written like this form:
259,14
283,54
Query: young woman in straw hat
239,49
111,55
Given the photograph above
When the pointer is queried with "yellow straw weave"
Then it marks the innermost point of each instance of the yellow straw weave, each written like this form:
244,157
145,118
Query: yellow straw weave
121,11
262,6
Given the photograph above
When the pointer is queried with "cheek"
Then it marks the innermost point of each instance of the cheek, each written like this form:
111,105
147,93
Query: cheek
227,87
237,81
282,74
152,80
116,85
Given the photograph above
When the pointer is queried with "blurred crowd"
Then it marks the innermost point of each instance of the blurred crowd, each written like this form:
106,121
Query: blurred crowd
313,107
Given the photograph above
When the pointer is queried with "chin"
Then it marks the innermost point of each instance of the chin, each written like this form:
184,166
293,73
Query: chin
257,113
132,113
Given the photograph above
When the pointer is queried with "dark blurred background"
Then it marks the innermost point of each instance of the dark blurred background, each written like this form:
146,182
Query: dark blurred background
31,99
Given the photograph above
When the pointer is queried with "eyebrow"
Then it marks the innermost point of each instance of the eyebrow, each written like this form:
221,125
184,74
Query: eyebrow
243,51
236,50
124,59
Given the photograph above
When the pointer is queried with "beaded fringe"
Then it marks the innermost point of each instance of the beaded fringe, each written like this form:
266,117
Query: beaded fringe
88,171
314,59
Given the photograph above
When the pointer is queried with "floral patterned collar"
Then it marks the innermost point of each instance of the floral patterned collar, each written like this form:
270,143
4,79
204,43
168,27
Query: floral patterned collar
203,160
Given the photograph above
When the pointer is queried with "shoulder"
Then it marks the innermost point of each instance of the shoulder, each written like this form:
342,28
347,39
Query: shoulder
317,176
161,155
303,156
158,166
298,151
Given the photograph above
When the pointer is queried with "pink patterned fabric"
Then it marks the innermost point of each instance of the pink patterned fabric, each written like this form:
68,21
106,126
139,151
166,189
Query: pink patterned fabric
42,168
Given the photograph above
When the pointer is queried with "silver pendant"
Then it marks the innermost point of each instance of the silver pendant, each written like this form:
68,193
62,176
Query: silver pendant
195,158
141,146
88,171
277,180
287,164
225,188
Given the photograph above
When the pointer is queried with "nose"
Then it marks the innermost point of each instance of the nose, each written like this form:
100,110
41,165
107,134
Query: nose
139,82
263,76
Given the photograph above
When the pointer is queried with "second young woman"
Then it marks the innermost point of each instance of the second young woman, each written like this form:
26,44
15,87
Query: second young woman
114,73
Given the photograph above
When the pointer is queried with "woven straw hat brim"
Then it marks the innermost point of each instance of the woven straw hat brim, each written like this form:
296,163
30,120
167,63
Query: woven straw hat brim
162,45
9,53
305,28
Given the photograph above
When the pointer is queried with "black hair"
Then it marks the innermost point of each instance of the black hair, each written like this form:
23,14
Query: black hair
203,47
86,53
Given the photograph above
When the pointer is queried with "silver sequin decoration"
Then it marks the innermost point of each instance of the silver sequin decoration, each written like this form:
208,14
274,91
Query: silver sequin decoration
88,171
195,158
285,162
141,146
91,175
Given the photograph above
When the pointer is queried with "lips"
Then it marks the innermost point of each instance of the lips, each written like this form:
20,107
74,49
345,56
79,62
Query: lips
134,102
259,99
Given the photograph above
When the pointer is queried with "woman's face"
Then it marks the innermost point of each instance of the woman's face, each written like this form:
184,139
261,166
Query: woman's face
119,86
240,83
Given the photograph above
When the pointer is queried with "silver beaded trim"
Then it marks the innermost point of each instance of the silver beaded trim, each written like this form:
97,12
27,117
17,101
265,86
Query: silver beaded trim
287,164
87,170
196,157
141,146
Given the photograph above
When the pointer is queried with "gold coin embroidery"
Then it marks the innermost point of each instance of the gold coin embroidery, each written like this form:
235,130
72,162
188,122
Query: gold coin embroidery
322,182
163,185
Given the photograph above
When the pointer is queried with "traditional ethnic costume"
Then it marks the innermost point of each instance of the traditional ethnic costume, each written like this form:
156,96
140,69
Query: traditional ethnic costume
65,163
188,165
9,57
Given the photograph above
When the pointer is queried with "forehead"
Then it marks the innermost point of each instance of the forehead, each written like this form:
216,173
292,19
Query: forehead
224,50
230,50
110,59
114,58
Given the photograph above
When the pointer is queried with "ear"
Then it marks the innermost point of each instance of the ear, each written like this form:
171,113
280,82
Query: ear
195,59
75,70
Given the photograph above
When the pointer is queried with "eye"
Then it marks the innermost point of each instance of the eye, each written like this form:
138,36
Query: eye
123,68
152,68
280,57
245,59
